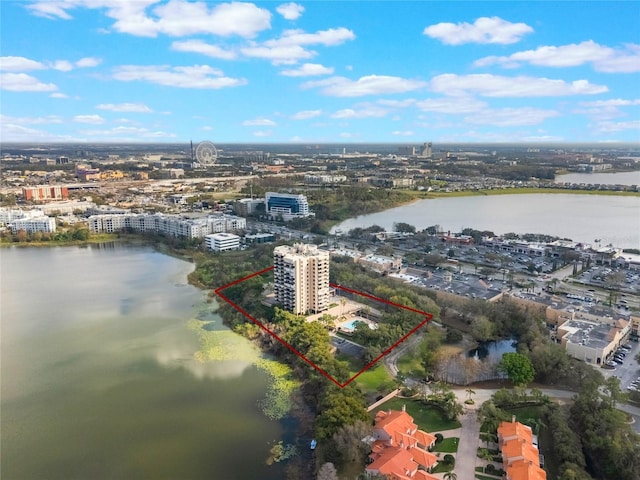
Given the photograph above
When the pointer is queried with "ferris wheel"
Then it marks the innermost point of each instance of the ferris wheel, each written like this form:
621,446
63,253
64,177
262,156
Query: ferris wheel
206,153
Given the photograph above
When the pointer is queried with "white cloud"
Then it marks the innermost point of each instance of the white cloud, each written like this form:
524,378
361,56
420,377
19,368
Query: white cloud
347,135
499,86
368,85
62,65
603,59
175,18
49,119
281,55
206,128
397,103
451,105
308,70
609,127
198,46
509,117
88,62
135,133
306,114
259,122
59,95
290,47
403,133
262,133
483,30
364,111
19,64
125,107
197,76
290,11
614,102
21,82
11,132
92,119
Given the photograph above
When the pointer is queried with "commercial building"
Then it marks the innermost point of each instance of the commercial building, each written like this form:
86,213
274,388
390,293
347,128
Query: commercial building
42,193
324,179
248,206
285,205
592,342
301,278
219,242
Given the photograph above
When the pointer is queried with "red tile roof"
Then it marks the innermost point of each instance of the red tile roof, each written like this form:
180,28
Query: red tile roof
525,470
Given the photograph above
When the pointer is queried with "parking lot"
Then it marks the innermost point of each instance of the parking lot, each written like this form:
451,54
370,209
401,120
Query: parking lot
629,371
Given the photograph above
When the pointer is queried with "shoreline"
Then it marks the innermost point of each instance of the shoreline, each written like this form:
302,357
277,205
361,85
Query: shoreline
518,191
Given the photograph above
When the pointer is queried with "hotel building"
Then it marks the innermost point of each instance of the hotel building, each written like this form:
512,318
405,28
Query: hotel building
301,278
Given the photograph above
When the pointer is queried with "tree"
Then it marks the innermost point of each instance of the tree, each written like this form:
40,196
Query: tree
470,392
518,368
349,444
404,227
327,472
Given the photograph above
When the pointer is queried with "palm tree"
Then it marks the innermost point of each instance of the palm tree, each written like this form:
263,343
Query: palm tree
469,393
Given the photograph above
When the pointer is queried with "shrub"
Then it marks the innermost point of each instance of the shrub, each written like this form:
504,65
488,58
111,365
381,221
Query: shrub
490,469
449,459
439,437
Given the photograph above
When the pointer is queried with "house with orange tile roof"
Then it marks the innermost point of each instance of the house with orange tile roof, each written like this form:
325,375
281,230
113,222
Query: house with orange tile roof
400,449
520,456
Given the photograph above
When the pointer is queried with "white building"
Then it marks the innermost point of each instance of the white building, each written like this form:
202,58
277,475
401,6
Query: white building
301,278
7,215
32,225
219,242
171,225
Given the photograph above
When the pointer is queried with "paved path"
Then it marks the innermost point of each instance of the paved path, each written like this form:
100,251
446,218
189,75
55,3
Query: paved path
468,446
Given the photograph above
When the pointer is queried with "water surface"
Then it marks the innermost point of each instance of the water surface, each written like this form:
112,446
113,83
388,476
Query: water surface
99,379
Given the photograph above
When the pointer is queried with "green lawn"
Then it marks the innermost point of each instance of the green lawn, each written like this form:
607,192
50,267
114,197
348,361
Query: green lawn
442,467
525,413
428,418
373,378
409,365
447,445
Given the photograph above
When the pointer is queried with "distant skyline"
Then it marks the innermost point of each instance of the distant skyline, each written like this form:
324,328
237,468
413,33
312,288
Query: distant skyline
319,72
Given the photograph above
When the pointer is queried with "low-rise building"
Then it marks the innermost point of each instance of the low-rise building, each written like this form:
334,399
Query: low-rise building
520,455
248,206
219,242
400,449
592,342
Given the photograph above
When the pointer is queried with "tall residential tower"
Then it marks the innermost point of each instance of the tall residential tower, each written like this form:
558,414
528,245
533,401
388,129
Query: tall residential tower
301,278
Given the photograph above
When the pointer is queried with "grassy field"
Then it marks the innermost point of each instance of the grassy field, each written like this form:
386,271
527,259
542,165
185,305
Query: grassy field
428,418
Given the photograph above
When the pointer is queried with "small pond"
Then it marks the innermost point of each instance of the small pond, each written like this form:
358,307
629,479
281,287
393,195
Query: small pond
492,351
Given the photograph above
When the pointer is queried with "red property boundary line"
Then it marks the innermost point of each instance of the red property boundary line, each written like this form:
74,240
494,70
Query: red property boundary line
427,316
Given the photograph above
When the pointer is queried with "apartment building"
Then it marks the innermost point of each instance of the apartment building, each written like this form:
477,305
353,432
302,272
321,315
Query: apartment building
36,224
301,278
39,194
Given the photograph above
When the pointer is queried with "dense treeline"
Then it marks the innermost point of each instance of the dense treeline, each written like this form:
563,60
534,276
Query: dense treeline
611,447
75,233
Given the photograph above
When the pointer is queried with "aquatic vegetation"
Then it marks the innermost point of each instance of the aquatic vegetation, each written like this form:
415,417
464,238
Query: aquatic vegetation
277,401
226,345
280,452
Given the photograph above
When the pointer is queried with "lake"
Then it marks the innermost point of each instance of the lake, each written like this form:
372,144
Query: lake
612,219
617,178
492,351
99,379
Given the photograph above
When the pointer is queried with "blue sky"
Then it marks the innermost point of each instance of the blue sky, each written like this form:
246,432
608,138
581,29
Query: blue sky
387,71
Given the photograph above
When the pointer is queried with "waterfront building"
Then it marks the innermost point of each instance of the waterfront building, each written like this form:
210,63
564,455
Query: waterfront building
31,225
9,215
219,242
285,205
42,193
171,225
301,278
